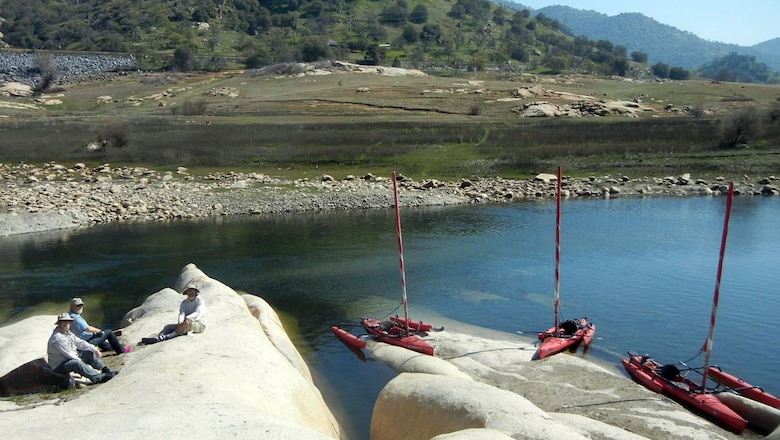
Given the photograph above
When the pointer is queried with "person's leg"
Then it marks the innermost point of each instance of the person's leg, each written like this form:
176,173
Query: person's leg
183,328
197,327
171,331
90,359
114,341
100,341
77,366
168,332
168,329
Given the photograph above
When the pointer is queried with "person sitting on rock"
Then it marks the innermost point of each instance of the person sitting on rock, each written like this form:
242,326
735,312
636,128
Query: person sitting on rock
68,353
105,339
192,314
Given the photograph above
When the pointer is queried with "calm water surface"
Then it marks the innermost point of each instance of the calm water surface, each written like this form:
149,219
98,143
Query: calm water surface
642,269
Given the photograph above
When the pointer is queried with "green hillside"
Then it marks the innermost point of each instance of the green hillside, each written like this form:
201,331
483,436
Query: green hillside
470,35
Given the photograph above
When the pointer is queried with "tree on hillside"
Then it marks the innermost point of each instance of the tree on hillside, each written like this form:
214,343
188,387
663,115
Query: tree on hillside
679,74
375,55
431,33
556,63
639,57
395,14
419,14
182,58
313,49
477,9
410,34
620,66
499,16
660,70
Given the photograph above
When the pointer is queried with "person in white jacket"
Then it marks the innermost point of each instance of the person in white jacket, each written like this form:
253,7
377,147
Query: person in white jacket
68,353
192,318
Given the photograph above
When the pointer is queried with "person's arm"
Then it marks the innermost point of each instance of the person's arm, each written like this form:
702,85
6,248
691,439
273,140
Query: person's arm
81,328
182,311
86,346
199,311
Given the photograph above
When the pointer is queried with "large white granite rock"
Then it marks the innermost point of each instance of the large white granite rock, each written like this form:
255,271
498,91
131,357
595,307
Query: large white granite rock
230,381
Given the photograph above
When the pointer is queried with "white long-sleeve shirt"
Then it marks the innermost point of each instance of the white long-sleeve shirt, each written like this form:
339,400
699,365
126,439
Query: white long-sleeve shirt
194,310
64,345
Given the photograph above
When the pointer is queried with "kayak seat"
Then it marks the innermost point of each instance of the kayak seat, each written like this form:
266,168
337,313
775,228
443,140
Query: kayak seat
669,372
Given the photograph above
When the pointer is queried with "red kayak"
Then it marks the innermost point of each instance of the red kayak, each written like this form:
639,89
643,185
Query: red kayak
742,388
666,379
417,326
389,333
570,335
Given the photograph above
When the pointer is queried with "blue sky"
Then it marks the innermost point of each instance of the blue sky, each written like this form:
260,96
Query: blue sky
745,22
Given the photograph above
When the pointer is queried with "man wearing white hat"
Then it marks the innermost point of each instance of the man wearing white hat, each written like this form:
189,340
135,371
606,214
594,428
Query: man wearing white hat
71,354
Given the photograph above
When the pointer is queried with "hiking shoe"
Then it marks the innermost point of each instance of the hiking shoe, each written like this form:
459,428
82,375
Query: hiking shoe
127,349
108,376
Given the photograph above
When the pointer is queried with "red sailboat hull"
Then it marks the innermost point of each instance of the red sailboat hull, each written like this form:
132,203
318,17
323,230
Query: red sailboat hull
666,380
743,388
390,333
570,335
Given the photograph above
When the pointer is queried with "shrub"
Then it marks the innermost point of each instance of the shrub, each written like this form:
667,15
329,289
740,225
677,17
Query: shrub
114,135
182,59
741,127
190,108
48,72
696,112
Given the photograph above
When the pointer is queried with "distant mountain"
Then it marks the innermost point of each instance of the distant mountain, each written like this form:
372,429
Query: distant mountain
661,42
768,49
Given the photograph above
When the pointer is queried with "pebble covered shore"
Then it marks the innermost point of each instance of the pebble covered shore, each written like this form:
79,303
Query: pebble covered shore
108,194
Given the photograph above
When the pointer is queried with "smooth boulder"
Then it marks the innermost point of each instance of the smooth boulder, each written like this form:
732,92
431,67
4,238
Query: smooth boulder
229,381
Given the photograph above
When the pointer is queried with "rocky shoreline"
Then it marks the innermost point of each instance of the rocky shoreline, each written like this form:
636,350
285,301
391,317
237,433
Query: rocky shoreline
24,67
55,196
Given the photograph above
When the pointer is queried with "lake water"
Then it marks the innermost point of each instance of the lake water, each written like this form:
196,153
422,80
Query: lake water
643,270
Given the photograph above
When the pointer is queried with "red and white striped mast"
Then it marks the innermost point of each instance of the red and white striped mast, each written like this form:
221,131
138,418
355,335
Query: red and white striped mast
400,252
556,301
716,296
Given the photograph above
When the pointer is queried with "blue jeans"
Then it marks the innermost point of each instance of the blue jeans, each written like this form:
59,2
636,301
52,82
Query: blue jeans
88,366
107,340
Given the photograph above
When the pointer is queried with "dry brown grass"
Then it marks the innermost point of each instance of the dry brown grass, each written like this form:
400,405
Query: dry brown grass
428,124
